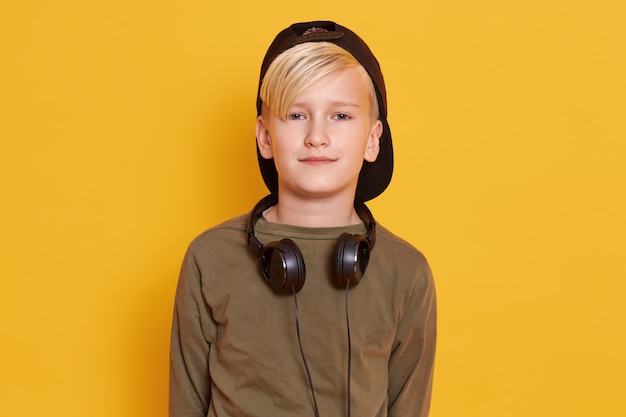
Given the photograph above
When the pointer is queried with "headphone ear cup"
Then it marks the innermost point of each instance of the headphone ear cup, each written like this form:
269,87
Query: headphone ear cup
351,259
283,267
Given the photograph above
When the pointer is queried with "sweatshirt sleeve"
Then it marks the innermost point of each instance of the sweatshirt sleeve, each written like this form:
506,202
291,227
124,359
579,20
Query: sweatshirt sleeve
412,359
192,330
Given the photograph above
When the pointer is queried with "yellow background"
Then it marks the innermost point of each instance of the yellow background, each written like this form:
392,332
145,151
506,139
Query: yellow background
127,128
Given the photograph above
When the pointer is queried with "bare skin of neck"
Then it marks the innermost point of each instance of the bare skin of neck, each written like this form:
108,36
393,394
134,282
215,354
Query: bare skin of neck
334,212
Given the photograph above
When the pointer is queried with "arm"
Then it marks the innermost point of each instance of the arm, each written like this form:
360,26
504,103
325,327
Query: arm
192,330
412,360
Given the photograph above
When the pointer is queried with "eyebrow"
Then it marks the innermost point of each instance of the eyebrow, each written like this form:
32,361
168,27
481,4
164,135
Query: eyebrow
332,103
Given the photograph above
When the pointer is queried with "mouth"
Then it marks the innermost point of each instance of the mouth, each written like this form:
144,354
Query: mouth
317,160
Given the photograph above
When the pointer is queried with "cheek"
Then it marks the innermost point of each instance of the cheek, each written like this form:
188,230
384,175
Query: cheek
281,148
363,141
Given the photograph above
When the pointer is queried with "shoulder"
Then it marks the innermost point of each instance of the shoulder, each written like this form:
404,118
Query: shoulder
400,262
393,247
220,235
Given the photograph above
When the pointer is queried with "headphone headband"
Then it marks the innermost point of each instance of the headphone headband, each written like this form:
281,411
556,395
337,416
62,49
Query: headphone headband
257,212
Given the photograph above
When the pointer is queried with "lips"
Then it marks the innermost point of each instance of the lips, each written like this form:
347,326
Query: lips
317,160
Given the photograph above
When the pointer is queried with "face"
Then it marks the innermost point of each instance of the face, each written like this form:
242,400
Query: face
320,147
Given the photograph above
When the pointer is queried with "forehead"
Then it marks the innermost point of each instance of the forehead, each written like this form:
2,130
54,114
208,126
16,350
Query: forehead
349,84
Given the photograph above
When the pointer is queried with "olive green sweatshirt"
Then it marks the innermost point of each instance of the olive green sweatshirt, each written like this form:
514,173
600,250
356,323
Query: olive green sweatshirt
235,349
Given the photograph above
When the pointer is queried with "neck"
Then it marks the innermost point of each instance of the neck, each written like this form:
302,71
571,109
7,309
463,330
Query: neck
335,212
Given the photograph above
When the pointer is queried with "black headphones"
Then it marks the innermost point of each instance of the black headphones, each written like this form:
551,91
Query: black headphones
282,264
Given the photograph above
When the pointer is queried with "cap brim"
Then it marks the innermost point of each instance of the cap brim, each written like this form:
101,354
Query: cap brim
376,176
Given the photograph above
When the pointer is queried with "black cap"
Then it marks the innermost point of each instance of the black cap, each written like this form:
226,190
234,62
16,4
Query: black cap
375,176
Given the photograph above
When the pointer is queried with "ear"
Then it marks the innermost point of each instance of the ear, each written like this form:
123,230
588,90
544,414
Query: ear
263,139
373,142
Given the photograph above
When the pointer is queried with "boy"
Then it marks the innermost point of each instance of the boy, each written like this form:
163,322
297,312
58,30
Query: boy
306,306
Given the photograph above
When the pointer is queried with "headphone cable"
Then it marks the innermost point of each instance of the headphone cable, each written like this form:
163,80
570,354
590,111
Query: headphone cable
349,348
306,365
304,361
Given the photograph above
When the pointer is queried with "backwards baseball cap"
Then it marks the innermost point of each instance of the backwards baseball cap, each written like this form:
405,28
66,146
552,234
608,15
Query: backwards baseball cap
374,176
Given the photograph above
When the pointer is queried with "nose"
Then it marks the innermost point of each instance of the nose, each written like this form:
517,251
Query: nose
317,134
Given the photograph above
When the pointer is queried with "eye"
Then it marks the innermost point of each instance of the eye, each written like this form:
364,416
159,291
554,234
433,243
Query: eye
295,116
342,116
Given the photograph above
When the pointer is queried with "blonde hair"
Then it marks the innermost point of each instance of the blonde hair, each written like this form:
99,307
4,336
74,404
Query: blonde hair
301,66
